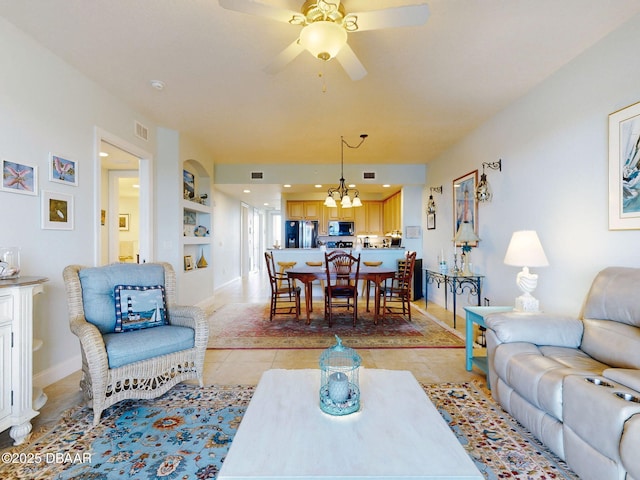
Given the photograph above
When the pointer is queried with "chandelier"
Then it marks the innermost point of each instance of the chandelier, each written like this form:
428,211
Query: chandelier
342,190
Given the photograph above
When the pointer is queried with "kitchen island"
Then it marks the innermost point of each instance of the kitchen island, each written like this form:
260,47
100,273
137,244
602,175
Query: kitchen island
388,256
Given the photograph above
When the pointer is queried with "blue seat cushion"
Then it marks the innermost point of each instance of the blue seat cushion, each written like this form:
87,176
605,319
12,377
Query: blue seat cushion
136,345
98,285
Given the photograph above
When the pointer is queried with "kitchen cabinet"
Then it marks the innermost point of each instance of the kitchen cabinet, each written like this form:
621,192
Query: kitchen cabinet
392,213
304,210
369,218
18,399
339,213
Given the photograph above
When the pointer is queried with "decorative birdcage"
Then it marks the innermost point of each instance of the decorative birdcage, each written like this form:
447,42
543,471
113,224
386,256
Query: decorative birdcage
339,383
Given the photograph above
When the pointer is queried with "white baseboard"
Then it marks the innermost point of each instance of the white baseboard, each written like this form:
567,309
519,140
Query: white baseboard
58,372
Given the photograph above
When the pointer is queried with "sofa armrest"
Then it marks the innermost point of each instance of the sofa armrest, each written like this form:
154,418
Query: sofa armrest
92,345
539,328
626,376
193,317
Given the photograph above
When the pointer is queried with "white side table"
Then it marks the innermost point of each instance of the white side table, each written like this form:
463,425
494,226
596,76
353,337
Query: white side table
16,356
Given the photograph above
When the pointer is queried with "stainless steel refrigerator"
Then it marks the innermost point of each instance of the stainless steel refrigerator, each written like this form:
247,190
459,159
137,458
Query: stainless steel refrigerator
301,234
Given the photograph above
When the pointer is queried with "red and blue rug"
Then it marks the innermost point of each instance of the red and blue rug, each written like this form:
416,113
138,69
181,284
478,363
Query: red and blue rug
247,325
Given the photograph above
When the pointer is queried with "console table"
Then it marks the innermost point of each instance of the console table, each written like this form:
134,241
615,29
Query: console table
16,352
457,282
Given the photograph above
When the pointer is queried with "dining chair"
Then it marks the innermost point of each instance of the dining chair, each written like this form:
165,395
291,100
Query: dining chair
341,292
285,295
396,296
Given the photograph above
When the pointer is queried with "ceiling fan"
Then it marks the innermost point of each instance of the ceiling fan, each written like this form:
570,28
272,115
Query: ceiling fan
326,26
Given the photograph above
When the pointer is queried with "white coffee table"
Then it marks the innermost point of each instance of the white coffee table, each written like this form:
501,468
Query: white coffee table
397,434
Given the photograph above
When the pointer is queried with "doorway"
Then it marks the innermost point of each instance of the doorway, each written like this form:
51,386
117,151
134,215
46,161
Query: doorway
123,193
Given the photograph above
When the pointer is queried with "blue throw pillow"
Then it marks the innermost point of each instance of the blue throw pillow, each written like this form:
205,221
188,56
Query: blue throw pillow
140,307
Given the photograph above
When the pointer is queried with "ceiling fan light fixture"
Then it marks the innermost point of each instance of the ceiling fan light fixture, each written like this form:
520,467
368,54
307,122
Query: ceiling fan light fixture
323,39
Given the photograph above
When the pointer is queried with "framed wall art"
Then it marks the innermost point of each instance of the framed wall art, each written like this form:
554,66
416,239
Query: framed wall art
188,185
624,169
465,206
123,222
431,221
56,211
188,262
19,178
63,170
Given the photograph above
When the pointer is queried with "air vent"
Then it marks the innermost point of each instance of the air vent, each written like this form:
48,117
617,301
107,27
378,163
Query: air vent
141,131
368,175
257,175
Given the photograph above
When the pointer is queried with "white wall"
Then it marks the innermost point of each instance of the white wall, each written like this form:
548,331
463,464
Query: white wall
553,144
45,105
226,238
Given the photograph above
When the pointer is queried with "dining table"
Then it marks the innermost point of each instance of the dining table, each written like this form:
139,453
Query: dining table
307,275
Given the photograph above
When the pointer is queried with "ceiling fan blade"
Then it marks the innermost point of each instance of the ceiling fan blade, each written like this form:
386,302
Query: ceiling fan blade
257,8
284,57
350,63
407,16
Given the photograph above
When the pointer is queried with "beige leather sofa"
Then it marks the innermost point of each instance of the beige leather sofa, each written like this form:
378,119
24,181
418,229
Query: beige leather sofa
575,383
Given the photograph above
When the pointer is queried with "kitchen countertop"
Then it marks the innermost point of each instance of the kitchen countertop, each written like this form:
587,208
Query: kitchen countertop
388,256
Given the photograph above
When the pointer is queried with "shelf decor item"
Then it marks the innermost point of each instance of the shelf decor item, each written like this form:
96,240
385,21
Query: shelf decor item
9,262
202,262
339,380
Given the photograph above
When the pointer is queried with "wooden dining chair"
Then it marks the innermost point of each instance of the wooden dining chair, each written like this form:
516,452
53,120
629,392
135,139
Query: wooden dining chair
285,295
341,292
396,293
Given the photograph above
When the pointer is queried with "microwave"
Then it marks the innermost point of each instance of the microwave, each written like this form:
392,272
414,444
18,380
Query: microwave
341,229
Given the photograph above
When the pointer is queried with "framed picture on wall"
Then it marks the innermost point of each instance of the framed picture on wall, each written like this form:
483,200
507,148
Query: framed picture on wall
56,211
123,222
19,178
624,168
431,221
63,170
465,205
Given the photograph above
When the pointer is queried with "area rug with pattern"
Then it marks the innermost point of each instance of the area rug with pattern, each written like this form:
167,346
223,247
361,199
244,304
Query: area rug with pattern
247,325
186,433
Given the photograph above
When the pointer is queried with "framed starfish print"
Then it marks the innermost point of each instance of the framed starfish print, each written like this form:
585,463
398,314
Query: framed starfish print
19,178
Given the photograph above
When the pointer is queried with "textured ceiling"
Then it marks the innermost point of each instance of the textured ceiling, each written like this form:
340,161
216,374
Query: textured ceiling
427,86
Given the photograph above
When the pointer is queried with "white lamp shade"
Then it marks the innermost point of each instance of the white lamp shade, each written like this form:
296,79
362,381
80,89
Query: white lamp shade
356,202
346,202
525,250
330,202
323,39
465,234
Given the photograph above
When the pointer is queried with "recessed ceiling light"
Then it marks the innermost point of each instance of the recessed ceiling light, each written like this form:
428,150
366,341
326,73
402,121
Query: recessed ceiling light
135,185
318,186
352,185
386,185
266,204
246,190
104,154
157,84
286,185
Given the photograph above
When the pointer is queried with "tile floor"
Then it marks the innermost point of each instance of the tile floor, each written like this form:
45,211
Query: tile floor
429,365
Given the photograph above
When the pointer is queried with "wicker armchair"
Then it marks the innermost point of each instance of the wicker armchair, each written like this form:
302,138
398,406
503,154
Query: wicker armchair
132,364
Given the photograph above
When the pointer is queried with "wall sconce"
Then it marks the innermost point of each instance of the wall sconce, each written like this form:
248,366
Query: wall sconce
431,204
483,191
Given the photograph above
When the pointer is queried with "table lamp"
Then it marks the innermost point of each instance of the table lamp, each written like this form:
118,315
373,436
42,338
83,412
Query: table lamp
466,235
525,250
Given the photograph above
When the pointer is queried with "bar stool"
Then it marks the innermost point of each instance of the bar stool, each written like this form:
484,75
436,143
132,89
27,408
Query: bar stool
367,287
317,264
283,267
